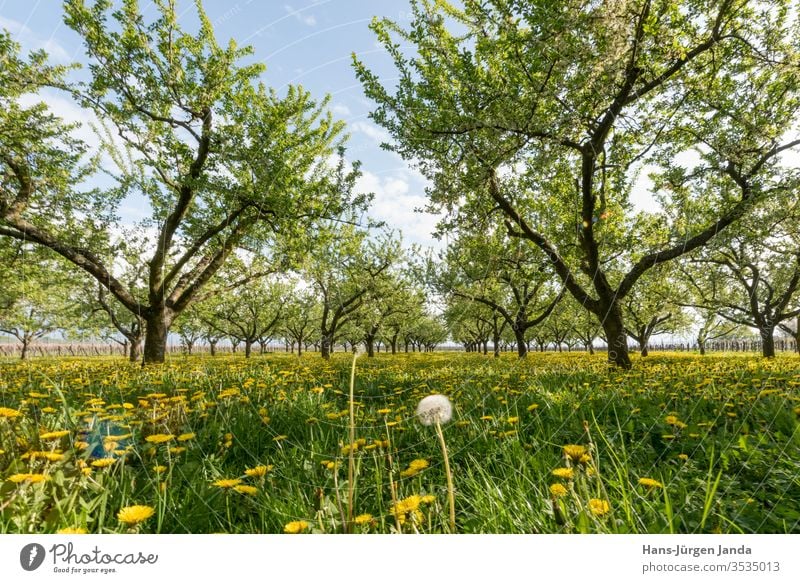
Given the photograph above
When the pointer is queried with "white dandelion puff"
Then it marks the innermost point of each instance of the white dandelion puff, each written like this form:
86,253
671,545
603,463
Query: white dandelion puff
434,408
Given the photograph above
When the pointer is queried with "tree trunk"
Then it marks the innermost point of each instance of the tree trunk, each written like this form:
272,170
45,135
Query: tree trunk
590,347
300,346
155,339
248,347
767,341
701,344
615,334
25,344
370,342
522,346
325,346
134,350
394,344
644,350
213,347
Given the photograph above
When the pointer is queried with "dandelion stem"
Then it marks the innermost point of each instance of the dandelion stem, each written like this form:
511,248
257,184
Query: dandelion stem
392,487
450,493
351,453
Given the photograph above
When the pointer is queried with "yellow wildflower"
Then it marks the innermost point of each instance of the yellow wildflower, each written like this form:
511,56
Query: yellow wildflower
563,473
599,507
132,515
296,527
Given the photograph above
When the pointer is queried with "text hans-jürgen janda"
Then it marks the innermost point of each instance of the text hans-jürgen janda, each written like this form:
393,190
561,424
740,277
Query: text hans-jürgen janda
685,550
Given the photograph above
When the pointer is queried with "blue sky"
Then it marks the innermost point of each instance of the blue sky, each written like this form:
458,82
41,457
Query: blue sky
306,42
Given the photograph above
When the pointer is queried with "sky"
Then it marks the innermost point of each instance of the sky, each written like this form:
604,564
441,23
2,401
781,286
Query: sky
305,42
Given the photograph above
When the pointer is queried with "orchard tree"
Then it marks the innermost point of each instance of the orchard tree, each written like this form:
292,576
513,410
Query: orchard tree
39,296
346,269
751,276
544,112
650,309
301,316
504,274
222,161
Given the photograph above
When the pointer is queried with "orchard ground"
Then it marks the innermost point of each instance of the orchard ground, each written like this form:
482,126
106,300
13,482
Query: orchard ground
550,444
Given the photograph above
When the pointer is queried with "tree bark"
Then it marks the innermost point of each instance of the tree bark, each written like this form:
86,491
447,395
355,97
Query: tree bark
134,350
248,347
213,347
767,341
325,347
522,346
616,337
155,339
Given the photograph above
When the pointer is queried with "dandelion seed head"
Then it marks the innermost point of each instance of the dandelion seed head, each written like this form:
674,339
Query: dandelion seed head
433,408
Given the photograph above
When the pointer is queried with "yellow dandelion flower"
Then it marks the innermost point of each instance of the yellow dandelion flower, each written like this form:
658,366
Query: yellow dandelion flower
159,469
104,463
650,483
683,456
177,450
72,530
533,407
574,452
408,473
249,490
418,464
227,483
258,471
296,527
132,515
32,478
54,434
428,499
363,519
563,473
599,507
384,411
7,413
159,438
558,490
513,420
185,436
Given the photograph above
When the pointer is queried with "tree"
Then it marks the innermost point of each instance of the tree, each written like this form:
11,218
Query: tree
344,272
38,295
504,275
545,111
650,309
301,317
751,276
712,327
223,161
251,312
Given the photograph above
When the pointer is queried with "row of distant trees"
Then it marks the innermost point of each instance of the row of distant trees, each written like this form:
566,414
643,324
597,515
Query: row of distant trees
368,294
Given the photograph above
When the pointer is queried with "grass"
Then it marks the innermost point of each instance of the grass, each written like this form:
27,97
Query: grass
719,433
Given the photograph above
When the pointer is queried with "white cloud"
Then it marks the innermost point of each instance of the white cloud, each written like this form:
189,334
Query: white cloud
373,132
307,19
341,110
395,203
30,41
